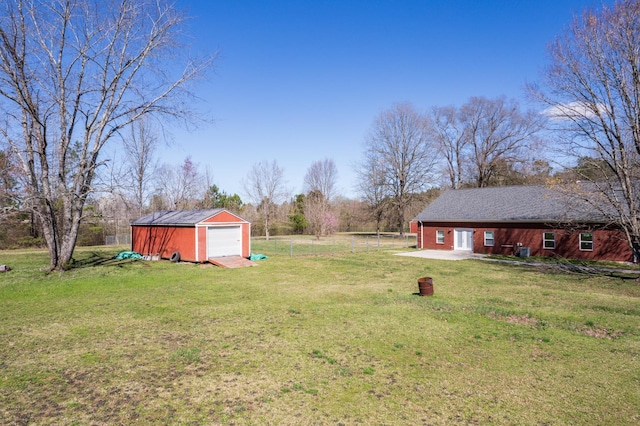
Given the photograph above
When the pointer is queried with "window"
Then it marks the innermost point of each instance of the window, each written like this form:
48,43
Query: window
586,241
439,237
488,238
549,240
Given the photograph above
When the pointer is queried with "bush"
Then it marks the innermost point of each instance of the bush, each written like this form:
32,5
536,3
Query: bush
30,241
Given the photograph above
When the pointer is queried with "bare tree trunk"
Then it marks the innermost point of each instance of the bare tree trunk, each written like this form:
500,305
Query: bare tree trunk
266,216
49,232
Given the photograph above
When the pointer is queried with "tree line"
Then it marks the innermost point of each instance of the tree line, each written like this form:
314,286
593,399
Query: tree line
83,88
409,156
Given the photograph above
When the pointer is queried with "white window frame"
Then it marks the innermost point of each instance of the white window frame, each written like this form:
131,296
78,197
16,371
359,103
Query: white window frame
438,240
588,242
545,240
493,238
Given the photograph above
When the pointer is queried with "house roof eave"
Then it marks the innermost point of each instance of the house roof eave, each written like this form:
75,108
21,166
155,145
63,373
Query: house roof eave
514,221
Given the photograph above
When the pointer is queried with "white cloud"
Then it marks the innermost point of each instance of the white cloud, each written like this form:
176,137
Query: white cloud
572,110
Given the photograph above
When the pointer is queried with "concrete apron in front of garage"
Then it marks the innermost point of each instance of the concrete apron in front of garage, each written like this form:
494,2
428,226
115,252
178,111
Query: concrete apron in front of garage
443,254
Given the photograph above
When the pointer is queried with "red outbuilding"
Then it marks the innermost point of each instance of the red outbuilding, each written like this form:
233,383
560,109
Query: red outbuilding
191,235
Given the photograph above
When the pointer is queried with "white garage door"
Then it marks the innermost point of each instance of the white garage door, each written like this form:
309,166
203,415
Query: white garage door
224,241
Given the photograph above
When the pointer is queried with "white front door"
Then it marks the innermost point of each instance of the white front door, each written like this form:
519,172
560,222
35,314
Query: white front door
224,241
463,239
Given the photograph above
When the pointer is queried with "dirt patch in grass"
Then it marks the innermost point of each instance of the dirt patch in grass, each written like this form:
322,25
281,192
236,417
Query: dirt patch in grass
601,333
522,320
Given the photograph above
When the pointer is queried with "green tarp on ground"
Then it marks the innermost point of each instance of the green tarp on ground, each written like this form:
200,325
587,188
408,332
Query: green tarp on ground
127,255
257,257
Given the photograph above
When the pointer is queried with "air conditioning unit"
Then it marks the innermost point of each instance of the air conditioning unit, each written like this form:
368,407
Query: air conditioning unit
524,252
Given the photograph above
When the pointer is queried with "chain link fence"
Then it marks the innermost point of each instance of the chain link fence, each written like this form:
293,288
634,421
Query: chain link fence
117,240
336,244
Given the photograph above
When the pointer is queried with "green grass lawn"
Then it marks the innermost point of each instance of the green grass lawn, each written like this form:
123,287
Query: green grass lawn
315,340
308,245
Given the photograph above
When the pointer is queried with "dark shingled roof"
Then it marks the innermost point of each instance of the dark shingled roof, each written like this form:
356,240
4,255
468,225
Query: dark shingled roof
507,204
176,217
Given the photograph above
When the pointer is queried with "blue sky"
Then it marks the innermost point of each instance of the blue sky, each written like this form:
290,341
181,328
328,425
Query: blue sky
301,81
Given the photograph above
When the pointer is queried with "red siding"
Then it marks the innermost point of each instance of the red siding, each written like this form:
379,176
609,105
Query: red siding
246,240
607,244
151,240
224,217
413,227
202,243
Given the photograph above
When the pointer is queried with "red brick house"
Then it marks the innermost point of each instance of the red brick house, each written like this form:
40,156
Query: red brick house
520,220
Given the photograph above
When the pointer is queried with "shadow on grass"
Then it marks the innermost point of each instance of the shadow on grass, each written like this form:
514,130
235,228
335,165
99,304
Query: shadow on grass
94,259
589,270
569,266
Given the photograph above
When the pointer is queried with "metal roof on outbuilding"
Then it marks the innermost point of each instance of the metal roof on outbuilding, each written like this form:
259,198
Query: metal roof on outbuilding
507,204
176,217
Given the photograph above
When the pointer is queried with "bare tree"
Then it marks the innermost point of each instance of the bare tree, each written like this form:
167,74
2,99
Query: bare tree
322,177
592,90
73,74
140,148
372,188
497,132
400,144
320,186
180,185
266,188
452,141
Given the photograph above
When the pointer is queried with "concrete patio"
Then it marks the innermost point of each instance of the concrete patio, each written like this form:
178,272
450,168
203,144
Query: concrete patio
443,254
